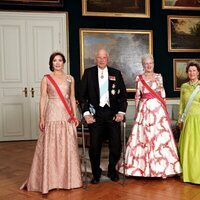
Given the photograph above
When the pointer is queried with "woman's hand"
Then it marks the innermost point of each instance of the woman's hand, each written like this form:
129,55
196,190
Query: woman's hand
41,125
76,122
180,125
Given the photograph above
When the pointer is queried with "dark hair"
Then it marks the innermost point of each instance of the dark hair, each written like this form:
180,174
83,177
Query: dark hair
53,55
192,63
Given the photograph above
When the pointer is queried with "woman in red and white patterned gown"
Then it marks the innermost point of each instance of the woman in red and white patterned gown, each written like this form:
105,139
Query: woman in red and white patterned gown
151,150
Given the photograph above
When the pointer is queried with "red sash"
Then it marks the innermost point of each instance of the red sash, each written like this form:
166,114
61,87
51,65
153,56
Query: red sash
156,95
72,118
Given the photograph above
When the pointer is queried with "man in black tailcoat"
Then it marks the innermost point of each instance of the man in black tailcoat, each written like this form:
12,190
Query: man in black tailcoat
103,100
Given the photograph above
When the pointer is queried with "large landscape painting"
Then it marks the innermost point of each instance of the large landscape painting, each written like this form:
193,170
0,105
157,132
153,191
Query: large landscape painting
125,47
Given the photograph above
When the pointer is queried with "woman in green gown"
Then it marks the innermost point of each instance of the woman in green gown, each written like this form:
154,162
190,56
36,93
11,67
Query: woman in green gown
189,123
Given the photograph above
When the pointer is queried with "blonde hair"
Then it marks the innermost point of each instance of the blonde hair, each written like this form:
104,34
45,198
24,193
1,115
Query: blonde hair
146,56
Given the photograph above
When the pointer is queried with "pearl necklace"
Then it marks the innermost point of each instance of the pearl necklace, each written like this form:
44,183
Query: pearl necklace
149,76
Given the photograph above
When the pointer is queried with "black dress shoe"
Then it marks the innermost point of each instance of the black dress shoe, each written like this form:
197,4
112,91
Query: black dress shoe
95,180
96,177
113,176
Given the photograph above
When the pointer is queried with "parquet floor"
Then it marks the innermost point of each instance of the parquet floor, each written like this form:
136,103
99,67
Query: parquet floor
16,158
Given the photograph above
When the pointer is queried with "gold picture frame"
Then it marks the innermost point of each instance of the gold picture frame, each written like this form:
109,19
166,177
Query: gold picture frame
181,5
179,71
116,8
125,47
183,33
52,3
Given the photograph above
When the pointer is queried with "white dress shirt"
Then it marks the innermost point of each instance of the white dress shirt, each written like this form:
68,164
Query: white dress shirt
102,78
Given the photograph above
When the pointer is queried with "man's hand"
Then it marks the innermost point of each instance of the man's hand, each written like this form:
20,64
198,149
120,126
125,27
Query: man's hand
119,117
89,119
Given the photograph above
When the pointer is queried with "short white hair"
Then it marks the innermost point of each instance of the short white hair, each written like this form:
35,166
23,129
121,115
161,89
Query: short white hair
147,56
102,49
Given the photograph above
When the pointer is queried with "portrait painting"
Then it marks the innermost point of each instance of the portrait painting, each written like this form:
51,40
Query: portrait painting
116,8
179,69
181,4
125,47
183,33
55,3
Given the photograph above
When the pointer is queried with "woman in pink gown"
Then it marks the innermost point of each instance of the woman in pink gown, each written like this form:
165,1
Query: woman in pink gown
56,162
151,150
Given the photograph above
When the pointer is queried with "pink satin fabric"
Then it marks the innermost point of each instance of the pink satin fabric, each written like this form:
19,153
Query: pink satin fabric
149,95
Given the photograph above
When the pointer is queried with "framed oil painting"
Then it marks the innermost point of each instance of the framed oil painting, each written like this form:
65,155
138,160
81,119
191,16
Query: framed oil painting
179,74
183,33
125,47
181,4
116,8
55,3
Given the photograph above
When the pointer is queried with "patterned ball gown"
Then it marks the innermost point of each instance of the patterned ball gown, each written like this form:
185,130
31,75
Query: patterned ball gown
56,162
151,150
189,147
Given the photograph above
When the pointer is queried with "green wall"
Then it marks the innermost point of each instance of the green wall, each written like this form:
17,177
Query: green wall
157,22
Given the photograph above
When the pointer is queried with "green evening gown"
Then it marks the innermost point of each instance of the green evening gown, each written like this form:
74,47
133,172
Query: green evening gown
189,143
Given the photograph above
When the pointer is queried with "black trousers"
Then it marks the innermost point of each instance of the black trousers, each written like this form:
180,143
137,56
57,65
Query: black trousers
104,127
